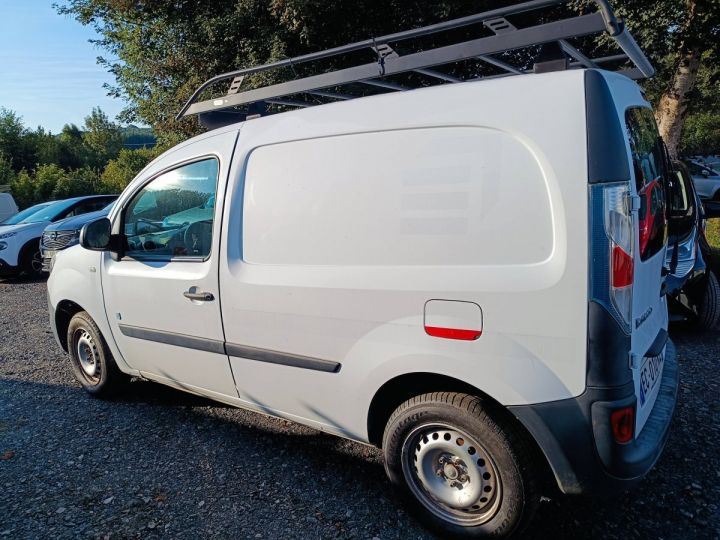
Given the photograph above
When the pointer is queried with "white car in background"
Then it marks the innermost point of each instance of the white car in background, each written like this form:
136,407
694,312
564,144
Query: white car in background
8,208
20,235
706,180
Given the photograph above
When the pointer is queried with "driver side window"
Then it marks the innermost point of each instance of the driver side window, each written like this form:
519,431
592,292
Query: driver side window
172,216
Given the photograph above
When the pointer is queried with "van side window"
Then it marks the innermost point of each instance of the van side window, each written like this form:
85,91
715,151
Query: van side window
172,216
651,178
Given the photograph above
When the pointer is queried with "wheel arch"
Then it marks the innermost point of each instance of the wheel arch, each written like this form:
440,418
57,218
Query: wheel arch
64,312
403,387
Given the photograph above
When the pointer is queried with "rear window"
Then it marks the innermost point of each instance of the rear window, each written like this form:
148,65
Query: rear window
651,172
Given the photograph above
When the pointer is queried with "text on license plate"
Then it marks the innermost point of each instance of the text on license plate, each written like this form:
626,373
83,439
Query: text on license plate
649,376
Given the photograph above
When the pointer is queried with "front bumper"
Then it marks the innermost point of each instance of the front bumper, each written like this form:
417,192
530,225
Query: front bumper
7,270
576,437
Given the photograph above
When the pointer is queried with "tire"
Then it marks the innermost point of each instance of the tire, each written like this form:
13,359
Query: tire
708,313
463,452
92,363
30,259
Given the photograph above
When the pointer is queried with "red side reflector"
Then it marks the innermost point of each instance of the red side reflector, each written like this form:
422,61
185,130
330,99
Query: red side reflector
452,333
623,424
622,268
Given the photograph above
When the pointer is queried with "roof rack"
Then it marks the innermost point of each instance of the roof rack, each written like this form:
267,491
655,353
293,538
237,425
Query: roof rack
556,53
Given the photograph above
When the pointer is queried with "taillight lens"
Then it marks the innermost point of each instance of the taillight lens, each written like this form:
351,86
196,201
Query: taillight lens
622,422
619,231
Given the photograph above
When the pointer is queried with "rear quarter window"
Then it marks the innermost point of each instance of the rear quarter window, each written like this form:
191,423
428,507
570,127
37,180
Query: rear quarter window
651,177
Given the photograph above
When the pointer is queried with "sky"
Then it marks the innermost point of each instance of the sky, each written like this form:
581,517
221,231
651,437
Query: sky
48,70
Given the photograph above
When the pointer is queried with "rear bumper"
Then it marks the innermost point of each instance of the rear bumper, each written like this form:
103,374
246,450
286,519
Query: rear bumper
576,437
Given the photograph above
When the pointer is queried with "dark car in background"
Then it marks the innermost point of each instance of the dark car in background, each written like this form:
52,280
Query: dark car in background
63,234
691,284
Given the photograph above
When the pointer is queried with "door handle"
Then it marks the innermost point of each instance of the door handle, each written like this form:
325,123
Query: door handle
200,296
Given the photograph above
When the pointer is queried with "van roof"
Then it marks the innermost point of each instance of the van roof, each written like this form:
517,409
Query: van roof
504,37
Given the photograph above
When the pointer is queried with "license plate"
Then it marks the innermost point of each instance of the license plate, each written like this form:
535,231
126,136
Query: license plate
649,376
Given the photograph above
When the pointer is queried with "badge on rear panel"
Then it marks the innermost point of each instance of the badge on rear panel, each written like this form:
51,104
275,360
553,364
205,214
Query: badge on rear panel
453,319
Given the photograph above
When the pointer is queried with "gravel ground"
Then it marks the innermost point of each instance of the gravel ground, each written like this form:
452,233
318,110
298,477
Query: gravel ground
162,464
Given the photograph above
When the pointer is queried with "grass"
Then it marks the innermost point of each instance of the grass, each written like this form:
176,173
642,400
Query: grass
713,233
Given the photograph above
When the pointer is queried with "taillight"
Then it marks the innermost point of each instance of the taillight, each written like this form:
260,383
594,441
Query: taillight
622,422
619,230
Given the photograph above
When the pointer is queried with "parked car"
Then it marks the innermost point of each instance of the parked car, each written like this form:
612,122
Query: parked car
8,208
692,287
17,218
65,233
474,287
707,180
20,241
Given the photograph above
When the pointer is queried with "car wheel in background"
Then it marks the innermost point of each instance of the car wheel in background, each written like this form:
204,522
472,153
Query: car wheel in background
92,361
30,259
708,313
463,472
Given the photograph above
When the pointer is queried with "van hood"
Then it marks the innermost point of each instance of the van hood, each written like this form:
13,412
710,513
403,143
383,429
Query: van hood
76,223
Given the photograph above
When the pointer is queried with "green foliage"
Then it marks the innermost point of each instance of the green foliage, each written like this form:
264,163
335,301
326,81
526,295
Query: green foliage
7,175
102,138
120,171
76,183
701,134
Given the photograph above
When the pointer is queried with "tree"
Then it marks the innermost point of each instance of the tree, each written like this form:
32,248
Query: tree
13,140
166,48
102,138
7,175
75,183
120,172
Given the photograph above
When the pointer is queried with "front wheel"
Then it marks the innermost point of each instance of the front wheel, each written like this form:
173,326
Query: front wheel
31,260
462,471
92,362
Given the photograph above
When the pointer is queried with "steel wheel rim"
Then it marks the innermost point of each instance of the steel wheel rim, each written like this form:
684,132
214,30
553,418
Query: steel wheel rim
451,474
87,355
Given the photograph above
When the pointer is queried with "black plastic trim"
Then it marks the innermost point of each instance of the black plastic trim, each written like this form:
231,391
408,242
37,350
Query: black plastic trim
608,349
285,359
576,438
230,349
171,338
606,145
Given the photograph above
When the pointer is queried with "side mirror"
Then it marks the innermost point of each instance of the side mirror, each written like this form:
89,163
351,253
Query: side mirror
712,209
95,235
705,173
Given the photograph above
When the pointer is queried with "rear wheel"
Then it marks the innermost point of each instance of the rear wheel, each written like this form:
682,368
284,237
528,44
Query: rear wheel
462,471
708,313
92,362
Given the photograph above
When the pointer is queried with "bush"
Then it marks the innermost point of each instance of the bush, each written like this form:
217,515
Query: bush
120,171
75,183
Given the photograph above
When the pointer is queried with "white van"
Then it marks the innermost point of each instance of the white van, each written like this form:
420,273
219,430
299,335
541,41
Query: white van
8,208
462,276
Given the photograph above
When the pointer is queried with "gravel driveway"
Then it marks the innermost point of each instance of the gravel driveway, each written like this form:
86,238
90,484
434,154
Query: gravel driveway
162,464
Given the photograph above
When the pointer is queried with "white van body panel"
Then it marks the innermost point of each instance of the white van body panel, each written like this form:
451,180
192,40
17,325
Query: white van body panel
290,285
77,278
8,208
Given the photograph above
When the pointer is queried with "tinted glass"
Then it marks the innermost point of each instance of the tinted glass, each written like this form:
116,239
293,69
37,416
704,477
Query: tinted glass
50,212
172,216
20,216
651,176
90,205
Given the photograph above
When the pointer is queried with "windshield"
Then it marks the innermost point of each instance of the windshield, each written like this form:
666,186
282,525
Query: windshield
49,212
20,216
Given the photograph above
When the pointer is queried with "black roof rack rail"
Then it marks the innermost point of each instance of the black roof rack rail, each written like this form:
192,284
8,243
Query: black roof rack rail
506,37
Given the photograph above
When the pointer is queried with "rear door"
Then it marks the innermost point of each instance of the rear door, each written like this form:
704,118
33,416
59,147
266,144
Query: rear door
649,311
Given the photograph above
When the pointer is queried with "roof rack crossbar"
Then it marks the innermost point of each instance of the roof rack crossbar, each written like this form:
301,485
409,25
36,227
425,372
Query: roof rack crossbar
507,37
